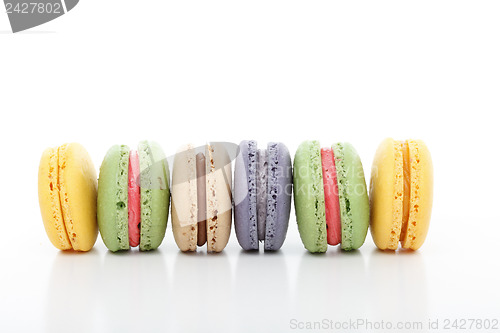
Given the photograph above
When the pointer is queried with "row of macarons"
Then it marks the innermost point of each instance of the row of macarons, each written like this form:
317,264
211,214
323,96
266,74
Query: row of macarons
129,203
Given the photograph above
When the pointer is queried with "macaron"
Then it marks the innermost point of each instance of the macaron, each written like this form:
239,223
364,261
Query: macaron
133,197
262,195
67,194
401,190
330,196
201,197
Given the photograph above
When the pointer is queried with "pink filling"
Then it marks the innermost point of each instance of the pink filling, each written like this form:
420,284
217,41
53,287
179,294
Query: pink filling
332,209
134,199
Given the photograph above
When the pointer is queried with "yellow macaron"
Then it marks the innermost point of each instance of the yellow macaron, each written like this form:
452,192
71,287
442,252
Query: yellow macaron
401,189
67,193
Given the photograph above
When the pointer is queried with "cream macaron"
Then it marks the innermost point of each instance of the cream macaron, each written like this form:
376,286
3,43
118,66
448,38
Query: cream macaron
201,197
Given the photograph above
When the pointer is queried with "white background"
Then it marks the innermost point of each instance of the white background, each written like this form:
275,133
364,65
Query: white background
119,71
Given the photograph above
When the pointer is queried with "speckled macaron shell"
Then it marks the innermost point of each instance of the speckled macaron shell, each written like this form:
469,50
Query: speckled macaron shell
218,196
386,195
353,196
78,189
309,196
185,199
155,194
49,200
279,195
112,198
245,196
420,180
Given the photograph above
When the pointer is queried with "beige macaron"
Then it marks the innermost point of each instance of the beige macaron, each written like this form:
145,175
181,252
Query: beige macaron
201,197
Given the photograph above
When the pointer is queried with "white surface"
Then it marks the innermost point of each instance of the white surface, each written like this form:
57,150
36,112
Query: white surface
192,71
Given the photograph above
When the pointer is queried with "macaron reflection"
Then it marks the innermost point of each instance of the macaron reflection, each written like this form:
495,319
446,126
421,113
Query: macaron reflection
72,292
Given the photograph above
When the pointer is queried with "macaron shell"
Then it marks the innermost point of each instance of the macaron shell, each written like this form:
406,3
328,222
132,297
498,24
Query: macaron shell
353,197
309,197
386,195
78,190
421,195
184,199
245,196
112,198
279,195
155,194
50,204
219,204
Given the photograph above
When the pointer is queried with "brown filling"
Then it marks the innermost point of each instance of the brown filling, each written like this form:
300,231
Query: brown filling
202,204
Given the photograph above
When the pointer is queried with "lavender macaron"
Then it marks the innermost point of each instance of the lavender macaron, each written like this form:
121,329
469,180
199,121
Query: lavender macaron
262,195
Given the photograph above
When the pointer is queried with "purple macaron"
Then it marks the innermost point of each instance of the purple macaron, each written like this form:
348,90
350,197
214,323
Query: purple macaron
262,195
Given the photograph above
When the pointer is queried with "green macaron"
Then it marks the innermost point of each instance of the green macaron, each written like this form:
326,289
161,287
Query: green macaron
113,196
309,196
